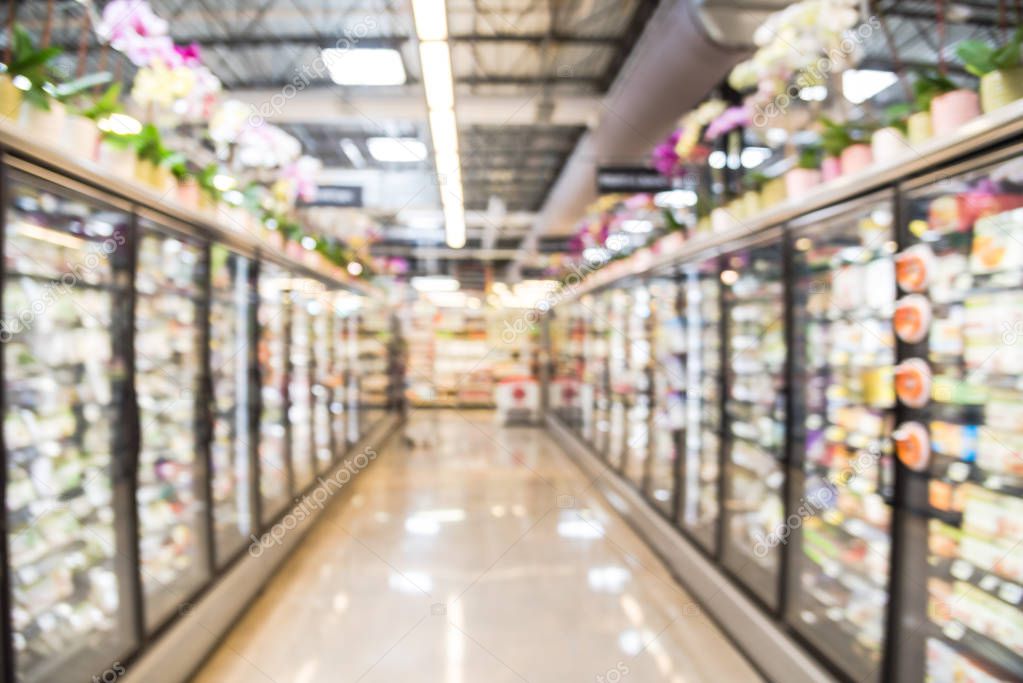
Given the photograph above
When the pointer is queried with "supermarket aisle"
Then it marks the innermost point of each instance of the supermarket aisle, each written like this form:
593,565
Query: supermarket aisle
480,554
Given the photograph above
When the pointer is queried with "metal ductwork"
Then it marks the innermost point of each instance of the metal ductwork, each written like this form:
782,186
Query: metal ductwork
687,49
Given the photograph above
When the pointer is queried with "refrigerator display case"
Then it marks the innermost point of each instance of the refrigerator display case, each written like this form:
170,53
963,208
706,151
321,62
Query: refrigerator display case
374,342
65,306
301,303
231,358
960,316
668,349
638,408
589,362
274,468
619,378
597,360
323,382
170,284
701,500
843,284
355,420
753,500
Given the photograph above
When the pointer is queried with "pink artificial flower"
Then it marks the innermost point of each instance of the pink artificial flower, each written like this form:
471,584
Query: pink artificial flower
665,160
727,121
189,54
638,201
133,28
303,173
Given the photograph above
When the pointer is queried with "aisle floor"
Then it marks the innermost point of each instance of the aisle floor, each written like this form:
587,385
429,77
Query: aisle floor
479,554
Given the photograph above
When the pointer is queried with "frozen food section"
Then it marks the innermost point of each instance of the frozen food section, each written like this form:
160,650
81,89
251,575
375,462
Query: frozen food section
157,384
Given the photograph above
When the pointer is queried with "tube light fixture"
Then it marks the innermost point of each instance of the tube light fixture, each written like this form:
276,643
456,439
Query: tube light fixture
431,19
435,59
439,85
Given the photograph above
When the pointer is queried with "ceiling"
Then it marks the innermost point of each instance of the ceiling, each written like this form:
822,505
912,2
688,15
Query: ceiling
545,90
529,75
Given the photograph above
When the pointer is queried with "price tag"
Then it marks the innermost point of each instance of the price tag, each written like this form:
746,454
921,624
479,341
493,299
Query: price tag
1011,592
959,471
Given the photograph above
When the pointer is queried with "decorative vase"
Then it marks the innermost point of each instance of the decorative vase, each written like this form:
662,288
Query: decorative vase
722,220
116,160
831,168
737,209
751,203
774,192
11,98
953,109
1000,88
888,144
188,194
856,157
920,128
162,180
43,124
81,137
206,202
799,181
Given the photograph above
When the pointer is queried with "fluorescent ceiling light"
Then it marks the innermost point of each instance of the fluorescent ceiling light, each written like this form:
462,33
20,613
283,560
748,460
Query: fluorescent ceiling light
454,225
435,284
448,162
363,66
444,131
431,19
435,59
397,150
352,151
859,85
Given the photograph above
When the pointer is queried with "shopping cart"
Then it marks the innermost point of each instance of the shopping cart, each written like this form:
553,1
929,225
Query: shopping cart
518,401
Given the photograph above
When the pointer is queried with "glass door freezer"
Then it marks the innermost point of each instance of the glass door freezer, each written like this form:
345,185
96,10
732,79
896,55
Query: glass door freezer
700,499
668,349
753,502
66,303
170,285
841,469
231,362
959,319
274,468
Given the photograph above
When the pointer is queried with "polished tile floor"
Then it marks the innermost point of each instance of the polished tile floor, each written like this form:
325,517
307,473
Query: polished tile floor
478,555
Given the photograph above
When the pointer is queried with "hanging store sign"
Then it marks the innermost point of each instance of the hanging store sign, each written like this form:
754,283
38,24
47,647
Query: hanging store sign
630,180
346,196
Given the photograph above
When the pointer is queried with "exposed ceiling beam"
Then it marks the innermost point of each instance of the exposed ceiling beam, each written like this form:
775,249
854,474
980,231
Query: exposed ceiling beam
247,40
362,108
